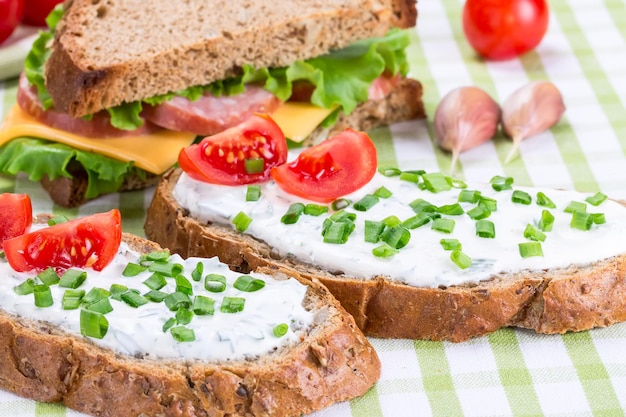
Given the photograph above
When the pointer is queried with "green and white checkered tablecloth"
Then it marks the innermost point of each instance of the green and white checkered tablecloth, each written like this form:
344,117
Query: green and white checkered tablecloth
510,372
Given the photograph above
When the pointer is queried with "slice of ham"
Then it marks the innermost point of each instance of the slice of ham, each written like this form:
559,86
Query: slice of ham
209,114
99,126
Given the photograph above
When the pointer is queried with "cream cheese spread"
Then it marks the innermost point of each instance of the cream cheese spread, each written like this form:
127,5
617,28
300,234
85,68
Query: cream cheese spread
422,262
139,331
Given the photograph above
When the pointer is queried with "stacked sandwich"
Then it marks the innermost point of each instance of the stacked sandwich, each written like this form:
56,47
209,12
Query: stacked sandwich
112,92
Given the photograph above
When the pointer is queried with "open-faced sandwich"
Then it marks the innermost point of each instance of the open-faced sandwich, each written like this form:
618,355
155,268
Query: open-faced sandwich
410,254
114,90
112,325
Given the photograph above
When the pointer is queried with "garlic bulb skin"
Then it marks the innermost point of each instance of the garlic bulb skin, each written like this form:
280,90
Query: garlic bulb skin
530,110
465,118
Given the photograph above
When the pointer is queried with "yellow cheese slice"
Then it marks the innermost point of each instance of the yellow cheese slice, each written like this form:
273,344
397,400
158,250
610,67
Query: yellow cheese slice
299,120
154,153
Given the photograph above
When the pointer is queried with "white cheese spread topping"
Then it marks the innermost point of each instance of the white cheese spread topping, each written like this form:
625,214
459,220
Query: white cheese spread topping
423,262
138,331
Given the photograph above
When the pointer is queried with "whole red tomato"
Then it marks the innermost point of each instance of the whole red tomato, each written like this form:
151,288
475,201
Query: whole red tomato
11,12
36,11
503,29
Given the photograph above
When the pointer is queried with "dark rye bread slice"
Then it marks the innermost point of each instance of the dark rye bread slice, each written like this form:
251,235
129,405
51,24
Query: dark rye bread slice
549,301
333,362
106,53
404,102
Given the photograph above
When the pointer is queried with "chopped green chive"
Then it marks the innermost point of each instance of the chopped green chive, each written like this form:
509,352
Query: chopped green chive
451,209
337,232
294,212
117,290
182,334
340,204
367,202
49,276
155,256
574,206
410,177
581,220
169,324
155,296
521,197
232,304
546,222
280,329
102,306
203,306
436,182
93,324
184,316
479,212
389,171
72,278
596,199
156,281
248,283
443,225
485,228
457,183
532,233
169,269
72,299
419,205
315,209
26,287
96,294
451,244
391,221
544,201
528,249
242,221
489,203
500,183
133,299
177,300
383,192
373,230
598,218
469,196
215,283
133,269
254,165
419,220
460,259
57,220
397,236
43,295
183,284
196,274
253,193
384,251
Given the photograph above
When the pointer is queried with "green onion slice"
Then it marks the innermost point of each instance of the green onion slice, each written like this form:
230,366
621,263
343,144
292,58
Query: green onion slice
183,284
177,300
253,193
451,209
49,276
500,183
215,283
117,290
384,251
469,196
529,249
574,206
133,298
96,294
72,299
72,278
248,283
169,324
184,316
57,220
294,212
102,306
280,329
155,256
396,236
419,220
485,228
26,287
461,260
383,192
340,204
532,233
155,296
546,222
544,201
443,225
254,165
156,281
479,212
93,324
169,269
598,218
373,230
419,205
232,304
389,171
489,203
596,199
43,295
581,220
203,306
196,274
182,334
451,244
521,197
315,209
133,269
367,202
436,182
242,221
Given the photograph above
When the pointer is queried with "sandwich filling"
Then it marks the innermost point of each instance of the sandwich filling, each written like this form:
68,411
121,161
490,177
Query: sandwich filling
429,230
268,314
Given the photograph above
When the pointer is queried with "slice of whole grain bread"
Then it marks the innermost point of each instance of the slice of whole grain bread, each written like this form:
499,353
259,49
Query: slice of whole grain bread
332,362
106,52
404,102
579,297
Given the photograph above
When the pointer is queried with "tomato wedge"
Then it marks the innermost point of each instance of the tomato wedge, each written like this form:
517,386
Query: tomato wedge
16,215
86,242
243,154
334,168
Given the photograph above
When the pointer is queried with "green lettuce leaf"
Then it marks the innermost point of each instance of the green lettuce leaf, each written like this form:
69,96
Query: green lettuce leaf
38,157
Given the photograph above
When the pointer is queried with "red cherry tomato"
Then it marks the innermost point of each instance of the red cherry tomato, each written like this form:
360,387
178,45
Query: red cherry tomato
11,12
16,217
503,29
36,11
86,242
243,154
334,168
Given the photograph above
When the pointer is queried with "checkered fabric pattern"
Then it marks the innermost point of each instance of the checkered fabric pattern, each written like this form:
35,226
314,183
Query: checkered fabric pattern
511,372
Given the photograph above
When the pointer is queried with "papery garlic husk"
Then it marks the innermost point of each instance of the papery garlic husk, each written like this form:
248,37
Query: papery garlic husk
530,110
465,118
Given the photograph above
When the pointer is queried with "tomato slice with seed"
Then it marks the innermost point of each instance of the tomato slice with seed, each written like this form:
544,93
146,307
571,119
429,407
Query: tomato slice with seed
332,169
243,154
16,215
86,242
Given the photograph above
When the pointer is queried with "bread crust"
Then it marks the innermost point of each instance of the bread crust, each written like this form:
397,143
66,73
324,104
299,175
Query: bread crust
83,76
549,301
333,362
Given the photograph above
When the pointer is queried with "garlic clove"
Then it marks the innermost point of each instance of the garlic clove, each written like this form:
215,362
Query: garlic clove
530,110
465,118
